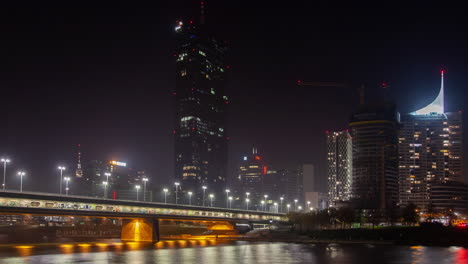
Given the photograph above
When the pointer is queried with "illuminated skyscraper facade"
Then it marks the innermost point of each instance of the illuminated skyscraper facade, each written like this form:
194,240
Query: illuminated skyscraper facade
339,166
200,131
251,173
430,150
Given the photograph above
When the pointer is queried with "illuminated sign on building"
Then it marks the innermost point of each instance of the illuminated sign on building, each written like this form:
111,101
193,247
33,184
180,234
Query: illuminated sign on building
118,163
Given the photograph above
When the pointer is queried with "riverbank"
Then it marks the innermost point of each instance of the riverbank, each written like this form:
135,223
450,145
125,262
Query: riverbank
413,236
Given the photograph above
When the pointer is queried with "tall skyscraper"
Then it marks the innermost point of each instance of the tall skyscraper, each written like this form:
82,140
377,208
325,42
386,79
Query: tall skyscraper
250,178
430,150
374,129
339,166
200,131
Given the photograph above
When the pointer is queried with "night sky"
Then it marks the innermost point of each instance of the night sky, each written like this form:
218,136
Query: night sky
102,75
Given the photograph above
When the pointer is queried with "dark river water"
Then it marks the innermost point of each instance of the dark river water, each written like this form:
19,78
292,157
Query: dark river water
210,251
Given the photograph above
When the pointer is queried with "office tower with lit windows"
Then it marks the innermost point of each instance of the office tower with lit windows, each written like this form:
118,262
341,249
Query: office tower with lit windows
250,178
374,131
339,166
200,131
430,150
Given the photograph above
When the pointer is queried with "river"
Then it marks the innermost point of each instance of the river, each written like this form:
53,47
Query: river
211,251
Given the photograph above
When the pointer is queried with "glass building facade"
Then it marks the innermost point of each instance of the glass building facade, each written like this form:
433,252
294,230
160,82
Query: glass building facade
200,131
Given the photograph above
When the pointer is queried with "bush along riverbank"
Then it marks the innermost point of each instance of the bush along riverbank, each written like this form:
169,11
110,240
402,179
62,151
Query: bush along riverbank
430,235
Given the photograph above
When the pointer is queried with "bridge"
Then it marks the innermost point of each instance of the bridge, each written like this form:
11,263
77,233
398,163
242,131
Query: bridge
140,220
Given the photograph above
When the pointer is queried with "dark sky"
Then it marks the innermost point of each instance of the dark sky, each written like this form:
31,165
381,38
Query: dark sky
101,74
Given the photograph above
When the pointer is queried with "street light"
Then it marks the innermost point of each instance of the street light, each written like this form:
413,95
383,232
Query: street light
176,187
5,161
190,198
300,208
288,206
295,204
263,204
137,187
276,207
308,204
266,202
144,188
211,200
247,200
230,202
104,184
165,194
204,189
227,197
61,168
67,179
21,174
281,204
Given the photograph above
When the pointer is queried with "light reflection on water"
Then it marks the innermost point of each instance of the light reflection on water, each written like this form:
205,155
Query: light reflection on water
226,252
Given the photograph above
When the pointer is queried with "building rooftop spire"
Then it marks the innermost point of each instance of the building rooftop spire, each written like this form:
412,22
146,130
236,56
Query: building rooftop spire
437,106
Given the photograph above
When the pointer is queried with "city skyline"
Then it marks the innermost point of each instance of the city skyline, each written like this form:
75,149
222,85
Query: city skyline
117,111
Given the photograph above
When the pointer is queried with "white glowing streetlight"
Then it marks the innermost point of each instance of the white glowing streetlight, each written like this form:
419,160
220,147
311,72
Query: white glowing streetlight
295,204
308,204
204,190
281,204
165,195
276,207
227,197
61,168
67,179
5,161
211,199
190,197
144,188
230,202
288,206
266,202
263,204
247,195
137,187
176,188
247,200
104,184
21,174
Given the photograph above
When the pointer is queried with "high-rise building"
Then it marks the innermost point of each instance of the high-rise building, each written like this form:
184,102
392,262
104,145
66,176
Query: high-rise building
200,131
374,131
430,150
250,178
339,166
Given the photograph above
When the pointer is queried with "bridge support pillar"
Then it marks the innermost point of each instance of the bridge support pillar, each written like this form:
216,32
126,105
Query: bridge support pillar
140,230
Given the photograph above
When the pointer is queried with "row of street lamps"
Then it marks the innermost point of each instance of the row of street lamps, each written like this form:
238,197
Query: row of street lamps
20,173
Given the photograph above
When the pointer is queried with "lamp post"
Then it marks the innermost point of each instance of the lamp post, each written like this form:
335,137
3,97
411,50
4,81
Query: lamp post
230,202
276,207
176,187
300,208
247,200
190,198
144,188
211,200
67,179
227,197
281,204
165,194
263,205
104,184
21,174
5,161
137,187
308,205
61,168
295,204
288,206
266,202
204,189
